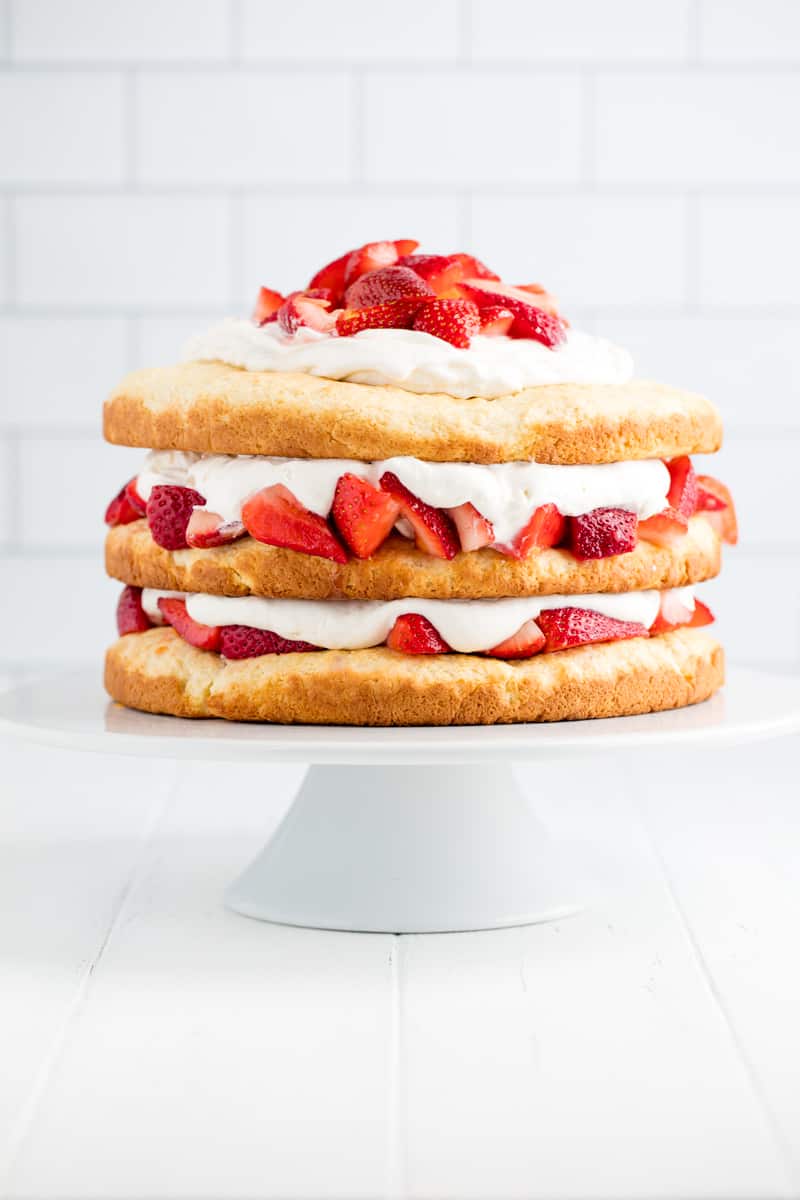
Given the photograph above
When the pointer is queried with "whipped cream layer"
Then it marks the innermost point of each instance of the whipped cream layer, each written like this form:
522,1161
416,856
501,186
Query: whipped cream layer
468,626
418,362
505,493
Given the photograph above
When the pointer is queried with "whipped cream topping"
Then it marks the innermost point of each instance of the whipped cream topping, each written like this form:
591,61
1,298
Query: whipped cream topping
505,493
468,626
418,362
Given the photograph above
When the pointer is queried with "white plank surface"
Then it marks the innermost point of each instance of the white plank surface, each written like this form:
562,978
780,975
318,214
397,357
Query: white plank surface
155,1045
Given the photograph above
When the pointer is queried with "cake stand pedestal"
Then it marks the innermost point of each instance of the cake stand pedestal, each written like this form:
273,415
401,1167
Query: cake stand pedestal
403,830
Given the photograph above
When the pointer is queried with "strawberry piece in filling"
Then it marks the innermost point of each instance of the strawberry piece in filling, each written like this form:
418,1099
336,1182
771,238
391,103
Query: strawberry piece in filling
414,634
602,533
673,613
474,531
243,641
526,642
131,617
545,528
206,529
364,515
204,637
275,517
434,532
126,506
565,627
715,503
169,510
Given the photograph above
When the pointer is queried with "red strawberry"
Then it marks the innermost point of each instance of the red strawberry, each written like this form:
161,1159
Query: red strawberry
545,528
526,642
398,314
530,320
673,614
715,502
204,637
364,514
243,641
168,511
413,634
474,531
369,258
275,517
331,276
434,532
208,529
267,306
682,494
405,246
126,506
542,298
494,291
564,627
496,320
664,528
474,268
603,533
442,272
300,310
385,285
454,321
131,617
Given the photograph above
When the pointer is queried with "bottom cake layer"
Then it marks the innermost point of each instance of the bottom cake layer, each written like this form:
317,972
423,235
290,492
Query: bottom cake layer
158,672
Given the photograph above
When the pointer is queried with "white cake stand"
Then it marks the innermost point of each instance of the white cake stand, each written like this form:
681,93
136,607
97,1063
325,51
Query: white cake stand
402,830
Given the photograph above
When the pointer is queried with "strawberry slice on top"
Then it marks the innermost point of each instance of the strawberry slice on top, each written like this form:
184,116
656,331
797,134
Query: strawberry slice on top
434,532
267,304
274,516
384,285
364,515
454,321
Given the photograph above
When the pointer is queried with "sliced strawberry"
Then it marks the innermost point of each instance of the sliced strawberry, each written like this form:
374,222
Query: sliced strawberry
441,272
454,321
602,533
496,320
673,613
168,512
398,314
545,528
405,246
299,309
474,531
370,257
526,642
414,634
207,529
564,627
530,319
494,291
682,494
275,517
123,508
664,528
385,285
434,532
134,499
474,268
204,637
267,305
243,641
131,617
364,515
541,297
715,502
331,277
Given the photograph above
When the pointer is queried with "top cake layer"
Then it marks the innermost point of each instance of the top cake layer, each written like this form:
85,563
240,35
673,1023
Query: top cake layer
217,408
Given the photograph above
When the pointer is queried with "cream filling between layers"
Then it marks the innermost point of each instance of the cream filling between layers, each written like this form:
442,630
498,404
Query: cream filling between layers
468,626
505,493
418,362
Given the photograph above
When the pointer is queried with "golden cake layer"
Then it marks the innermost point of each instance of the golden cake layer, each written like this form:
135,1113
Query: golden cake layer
160,673
214,408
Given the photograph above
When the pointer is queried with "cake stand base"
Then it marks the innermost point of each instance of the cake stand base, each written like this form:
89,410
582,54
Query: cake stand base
408,850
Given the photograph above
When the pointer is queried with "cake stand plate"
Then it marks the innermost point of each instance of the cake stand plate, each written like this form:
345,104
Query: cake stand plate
410,830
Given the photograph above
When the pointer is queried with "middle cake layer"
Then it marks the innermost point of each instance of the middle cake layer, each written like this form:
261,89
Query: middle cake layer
398,569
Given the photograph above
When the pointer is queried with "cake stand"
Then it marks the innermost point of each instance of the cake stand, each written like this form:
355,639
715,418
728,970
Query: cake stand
403,830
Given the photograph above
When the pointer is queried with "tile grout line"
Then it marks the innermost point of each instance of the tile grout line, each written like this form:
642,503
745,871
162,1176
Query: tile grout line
396,1132
52,1058
758,1091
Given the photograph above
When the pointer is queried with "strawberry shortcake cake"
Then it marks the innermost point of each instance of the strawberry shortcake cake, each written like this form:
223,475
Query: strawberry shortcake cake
411,494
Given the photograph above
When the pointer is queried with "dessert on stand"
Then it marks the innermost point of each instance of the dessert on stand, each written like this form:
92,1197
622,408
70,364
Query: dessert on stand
410,493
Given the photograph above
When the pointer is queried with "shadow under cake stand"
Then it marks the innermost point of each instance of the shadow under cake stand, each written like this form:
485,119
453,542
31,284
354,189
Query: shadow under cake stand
408,830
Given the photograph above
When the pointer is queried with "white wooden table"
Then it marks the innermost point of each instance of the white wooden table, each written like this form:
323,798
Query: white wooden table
155,1045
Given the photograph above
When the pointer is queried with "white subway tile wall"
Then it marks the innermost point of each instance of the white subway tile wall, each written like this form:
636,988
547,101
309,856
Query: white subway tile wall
160,160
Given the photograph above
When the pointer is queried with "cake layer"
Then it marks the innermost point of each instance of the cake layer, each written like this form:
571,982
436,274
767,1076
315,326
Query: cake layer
214,408
158,672
397,569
